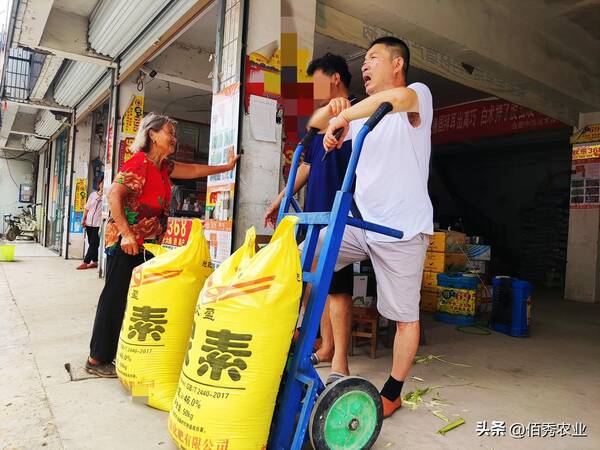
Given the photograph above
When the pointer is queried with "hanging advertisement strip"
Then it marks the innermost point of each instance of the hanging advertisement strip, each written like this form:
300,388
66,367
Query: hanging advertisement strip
585,177
80,194
221,187
130,123
75,222
133,116
125,150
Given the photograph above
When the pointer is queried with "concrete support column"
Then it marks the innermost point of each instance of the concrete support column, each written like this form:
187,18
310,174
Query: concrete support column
80,164
260,177
582,281
68,197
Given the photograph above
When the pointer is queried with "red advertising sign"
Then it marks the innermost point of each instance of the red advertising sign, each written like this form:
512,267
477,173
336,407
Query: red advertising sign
486,118
125,151
178,232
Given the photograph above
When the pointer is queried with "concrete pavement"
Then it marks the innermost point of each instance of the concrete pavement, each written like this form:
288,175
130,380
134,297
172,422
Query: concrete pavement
47,314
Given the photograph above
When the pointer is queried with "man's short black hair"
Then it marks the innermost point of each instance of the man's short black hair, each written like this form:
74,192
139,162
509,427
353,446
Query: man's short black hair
397,47
330,64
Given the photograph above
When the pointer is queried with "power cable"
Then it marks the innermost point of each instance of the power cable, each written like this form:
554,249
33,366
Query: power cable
10,174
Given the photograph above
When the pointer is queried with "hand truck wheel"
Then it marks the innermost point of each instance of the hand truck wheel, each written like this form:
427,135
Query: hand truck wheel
347,415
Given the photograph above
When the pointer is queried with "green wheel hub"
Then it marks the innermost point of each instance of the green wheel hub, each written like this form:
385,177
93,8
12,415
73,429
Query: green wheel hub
347,415
351,421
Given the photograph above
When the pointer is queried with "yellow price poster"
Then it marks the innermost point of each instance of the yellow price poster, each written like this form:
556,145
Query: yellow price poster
589,133
80,195
581,152
133,115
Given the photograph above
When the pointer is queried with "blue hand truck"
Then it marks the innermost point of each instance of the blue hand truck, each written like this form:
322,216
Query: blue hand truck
348,413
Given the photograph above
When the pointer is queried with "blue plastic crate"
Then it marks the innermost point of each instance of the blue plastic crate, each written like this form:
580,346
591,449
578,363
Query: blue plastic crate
457,281
511,307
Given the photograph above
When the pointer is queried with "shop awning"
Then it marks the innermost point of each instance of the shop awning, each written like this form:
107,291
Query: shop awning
153,35
76,81
34,144
114,25
101,87
47,124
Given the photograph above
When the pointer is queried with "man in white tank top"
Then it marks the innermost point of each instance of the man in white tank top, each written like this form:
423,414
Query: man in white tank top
391,190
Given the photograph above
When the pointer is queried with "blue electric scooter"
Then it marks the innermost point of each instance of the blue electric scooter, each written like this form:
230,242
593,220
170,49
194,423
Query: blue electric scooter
346,414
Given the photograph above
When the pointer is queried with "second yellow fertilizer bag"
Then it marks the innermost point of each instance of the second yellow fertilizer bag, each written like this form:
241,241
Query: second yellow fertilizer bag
158,320
243,328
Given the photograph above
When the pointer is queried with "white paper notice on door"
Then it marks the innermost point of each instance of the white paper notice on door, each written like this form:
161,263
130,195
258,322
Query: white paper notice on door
263,114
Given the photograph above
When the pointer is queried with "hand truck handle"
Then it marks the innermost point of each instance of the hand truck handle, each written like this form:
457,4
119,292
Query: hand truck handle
308,137
379,114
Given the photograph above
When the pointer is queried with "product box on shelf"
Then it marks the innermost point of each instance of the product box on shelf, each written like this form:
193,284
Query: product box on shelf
445,262
447,241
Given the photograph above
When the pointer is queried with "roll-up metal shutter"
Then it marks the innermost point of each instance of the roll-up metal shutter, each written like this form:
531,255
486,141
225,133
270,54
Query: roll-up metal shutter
169,18
47,124
76,81
102,86
115,23
34,144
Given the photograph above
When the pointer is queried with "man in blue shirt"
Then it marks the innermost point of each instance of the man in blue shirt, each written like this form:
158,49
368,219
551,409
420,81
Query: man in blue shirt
323,175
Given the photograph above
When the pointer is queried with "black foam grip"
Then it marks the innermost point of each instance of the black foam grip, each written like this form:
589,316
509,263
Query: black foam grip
308,137
379,114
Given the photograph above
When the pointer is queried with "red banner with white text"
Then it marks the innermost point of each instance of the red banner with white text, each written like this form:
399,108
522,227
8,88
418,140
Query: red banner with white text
486,118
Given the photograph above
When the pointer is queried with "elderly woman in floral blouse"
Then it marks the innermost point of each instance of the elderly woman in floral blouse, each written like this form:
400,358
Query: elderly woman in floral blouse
139,201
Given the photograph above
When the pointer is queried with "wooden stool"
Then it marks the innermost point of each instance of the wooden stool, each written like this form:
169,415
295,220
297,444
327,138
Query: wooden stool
364,325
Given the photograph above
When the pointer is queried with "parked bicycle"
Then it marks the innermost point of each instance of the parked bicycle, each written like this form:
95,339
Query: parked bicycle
22,224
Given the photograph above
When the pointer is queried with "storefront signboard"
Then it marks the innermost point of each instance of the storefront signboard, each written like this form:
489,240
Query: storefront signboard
585,177
486,118
587,134
133,116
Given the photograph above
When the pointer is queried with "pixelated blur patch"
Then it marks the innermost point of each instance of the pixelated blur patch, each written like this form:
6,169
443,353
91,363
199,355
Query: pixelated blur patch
139,394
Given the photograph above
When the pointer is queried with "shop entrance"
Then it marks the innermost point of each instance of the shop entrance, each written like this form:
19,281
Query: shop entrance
503,180
57,193
178,83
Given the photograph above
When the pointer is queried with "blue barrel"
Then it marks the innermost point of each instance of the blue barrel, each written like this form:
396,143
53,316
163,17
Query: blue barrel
456,281
511,307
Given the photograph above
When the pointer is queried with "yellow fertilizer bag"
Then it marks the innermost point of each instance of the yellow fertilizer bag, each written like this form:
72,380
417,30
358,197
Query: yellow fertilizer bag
243,328
158,320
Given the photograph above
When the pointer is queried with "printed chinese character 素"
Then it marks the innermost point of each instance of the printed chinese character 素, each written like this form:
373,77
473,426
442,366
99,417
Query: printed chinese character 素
224,351
147,320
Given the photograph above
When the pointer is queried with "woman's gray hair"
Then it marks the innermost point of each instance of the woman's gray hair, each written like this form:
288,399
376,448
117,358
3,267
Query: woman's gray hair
151,121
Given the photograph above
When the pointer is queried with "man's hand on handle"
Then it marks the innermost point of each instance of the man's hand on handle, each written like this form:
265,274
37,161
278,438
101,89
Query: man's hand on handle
333,137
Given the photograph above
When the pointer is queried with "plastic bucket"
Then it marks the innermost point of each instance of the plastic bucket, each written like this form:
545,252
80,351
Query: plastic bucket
7,252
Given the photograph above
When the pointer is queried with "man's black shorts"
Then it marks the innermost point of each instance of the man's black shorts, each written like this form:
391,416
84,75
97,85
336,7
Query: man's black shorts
342,281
